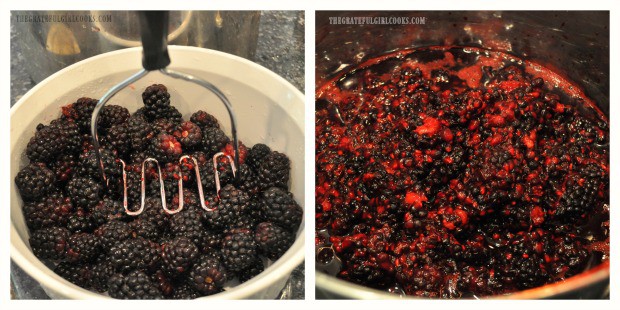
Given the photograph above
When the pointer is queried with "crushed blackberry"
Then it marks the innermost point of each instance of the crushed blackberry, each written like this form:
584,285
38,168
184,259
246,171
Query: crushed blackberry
49,242
239,249
80,225
451,173
136,253
135,285
178,255
83,247
166,148
208,275
204,120
278,206
35,181
213,140
274,170
189,134
85,191
273,240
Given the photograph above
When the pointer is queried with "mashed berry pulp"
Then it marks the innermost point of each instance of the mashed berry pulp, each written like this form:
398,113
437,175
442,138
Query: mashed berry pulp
456,172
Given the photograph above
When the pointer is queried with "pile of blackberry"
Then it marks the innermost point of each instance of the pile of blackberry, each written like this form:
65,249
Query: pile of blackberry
80,229
451,174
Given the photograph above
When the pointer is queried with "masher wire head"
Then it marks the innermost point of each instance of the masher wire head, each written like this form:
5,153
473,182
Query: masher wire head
234,161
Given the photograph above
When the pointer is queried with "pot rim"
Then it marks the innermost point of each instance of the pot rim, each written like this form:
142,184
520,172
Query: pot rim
589,277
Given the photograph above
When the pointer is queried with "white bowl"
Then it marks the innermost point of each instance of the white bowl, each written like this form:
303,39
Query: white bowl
268,109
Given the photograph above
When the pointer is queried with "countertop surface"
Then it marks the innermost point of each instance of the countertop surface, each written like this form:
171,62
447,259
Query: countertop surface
280,48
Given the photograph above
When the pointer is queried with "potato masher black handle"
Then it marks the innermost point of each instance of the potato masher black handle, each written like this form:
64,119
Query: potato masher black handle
154,32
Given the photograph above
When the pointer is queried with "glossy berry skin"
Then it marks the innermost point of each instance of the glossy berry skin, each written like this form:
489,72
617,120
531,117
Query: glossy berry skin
208,275
135,285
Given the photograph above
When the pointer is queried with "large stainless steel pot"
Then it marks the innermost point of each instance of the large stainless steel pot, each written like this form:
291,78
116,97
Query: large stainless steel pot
57,39
575,44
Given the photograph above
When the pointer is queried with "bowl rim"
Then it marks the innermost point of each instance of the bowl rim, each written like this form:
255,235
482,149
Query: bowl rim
256,284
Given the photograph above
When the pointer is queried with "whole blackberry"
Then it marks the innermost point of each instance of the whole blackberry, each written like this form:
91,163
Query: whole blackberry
165,148
140,133
185,291
81,221
76,273
188,223
35,181
163,281
189,134
101,272
248,182
145,229
64,167
118,138
132,254
155,98
231,205
274,170
111,115
239,249
135,285
208,275
256,154
252,271
43,146
213,140
83,247
178,255
89,165
170,114
279,207
81,112
53,210
154,212
108,209
112,232
204,120
49,242
164,125
84,191
272,240
60,137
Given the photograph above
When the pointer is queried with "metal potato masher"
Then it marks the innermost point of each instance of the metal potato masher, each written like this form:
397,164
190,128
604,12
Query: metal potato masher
154,32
